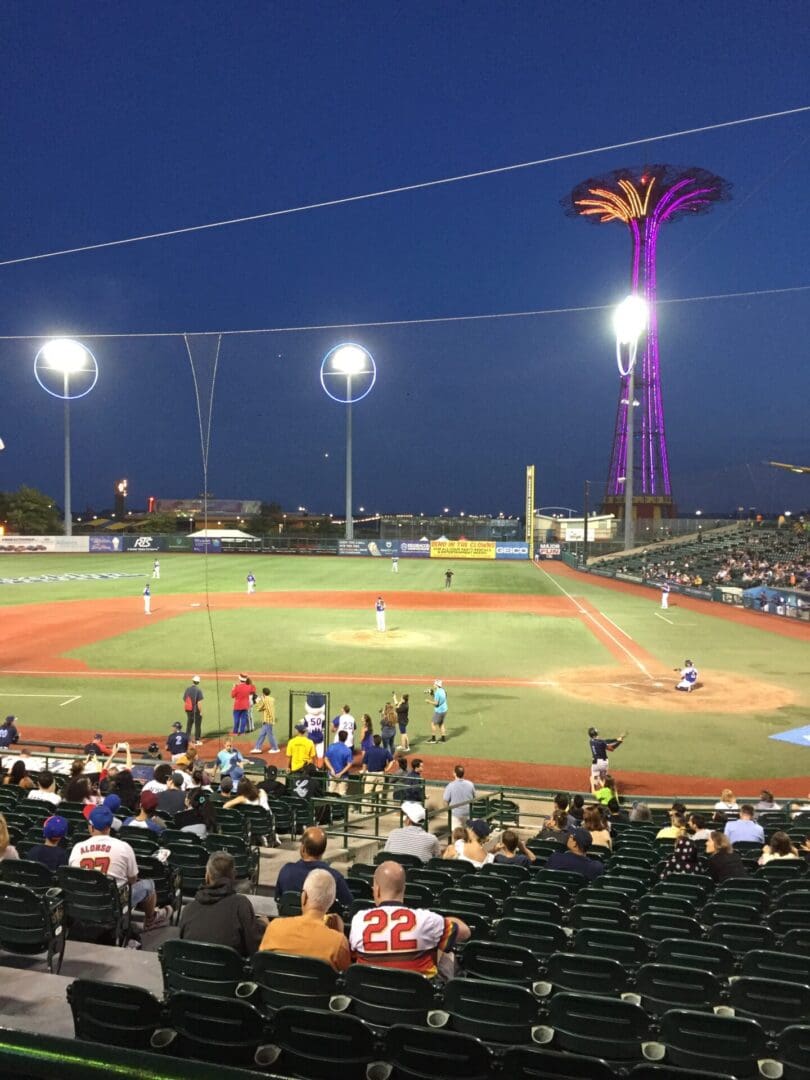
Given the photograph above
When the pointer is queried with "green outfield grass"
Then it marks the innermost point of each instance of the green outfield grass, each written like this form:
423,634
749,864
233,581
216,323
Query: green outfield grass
531,723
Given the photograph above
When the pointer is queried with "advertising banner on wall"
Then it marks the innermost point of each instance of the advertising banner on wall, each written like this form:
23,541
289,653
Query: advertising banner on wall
384,548
33,545
144,544
514,549
547,551
210,544
107,544
415,549
462,549
353,547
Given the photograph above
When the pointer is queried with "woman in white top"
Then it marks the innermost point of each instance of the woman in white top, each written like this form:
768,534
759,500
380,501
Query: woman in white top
727,801
779,846
471,849
248,794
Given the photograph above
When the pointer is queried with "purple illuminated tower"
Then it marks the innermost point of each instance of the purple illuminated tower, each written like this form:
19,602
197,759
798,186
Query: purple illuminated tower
644,199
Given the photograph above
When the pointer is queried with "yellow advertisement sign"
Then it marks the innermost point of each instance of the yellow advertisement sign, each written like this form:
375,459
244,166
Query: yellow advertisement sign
462,549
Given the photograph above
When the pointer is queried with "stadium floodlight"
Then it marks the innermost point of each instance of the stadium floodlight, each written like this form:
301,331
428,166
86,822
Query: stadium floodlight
66,358
630,321
351,365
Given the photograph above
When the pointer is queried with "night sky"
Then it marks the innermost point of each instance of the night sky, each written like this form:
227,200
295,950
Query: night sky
129,118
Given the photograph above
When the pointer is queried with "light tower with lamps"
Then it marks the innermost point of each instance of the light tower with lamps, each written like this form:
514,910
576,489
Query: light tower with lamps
630,322
355,364
67,358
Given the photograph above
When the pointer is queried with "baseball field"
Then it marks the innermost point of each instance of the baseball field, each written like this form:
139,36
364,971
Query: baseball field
531,657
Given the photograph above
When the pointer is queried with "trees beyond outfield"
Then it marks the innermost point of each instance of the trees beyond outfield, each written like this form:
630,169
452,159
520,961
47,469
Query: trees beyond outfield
30,512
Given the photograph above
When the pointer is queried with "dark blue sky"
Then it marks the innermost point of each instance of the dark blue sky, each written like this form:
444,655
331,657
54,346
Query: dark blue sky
135,117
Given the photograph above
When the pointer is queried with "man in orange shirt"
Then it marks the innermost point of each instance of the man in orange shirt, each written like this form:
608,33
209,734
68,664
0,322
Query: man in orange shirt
314,932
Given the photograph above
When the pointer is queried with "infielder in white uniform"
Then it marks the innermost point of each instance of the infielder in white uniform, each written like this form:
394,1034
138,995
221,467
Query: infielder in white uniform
394,564
380,609
251,584
156,570
147,600
664,596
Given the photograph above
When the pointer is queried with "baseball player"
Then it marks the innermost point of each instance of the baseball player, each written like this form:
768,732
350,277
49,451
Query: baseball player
394,564
251,583
689,677
600,748
147,600
156,570
665,596
380,609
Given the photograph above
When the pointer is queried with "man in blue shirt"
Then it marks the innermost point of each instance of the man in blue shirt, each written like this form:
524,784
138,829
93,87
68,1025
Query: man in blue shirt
438,695
229,762
745,828
8,732
576,857
339,758
177,742
377,761
291,876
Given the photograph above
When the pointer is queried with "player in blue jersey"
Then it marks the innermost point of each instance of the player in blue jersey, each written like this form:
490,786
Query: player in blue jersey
689,677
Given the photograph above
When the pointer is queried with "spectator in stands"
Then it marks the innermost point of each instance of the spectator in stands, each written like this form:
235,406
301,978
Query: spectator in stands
683,860
226,788
146,817
575,858
218,914
723,861
314,932
745,829
377,761
7,849
114,803
200,815
8,732
593,821
640,812
229,762
727,803
125,788
615,812
18,777
173,799
675,829
300,750
399,784
412,839
471,849
116,859
338,759
247,794
415,791
187,763
160,779
51,853
458,795
78,788
291,877
780,846
561,802
766,801
576,811
45,791
696,827
603,789
375,935
308,783
511,851
556,828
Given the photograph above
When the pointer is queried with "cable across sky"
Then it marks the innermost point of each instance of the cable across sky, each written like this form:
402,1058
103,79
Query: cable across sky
420,186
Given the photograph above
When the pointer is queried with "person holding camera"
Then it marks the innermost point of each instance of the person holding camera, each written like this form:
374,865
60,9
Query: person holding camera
388,726
402,706
438,697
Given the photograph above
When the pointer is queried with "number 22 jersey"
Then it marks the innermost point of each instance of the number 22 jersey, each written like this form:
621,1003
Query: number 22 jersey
394,935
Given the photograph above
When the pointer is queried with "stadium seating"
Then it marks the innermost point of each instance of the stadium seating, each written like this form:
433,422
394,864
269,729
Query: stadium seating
32,923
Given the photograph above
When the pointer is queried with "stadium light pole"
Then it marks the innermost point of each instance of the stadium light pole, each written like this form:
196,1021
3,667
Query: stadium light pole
349,361
66,357
629,322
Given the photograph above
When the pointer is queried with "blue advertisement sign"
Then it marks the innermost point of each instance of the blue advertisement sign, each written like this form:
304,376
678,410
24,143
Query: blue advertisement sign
106,543
210,544
386,548
512,549
419,549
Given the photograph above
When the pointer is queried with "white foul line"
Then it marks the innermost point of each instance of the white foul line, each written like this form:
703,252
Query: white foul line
658,615
582,611
69,701
62,704
612,623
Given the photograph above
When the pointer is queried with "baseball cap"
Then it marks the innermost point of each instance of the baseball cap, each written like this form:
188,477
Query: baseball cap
479,827
98,735
592,732
242,678
112,802
10,719
55,827
101,818
437,682
177,725
153,748
195,678
414,811
301,725
583,839
177,779
149,800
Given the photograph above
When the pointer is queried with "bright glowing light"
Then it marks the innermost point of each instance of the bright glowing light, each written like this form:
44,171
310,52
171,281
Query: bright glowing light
350,359
630,319
63,354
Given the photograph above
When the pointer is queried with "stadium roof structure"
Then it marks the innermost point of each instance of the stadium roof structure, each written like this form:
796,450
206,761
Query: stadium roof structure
223,534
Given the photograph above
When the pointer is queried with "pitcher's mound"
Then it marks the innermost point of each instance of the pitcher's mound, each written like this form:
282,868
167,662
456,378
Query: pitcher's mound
387,639
716,691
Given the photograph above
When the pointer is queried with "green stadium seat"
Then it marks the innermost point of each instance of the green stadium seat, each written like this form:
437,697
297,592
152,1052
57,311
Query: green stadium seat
418,896
532,1063
318,1044
666,903
783,920
27,872
692,890
513,874
449,866
245,857
797,941
497,961
545,890
407,861
435,880
385,996
191,862
630,950
498,887
32,923
793,1051
496,1013
656,926
541,938
113,1014
598,916
694,953
460,900
562,877
531,907
782,869
776,964
95,903
220,1031
724,910
703,1040
670,986
592,1026
275,980
741,937
586,974
363,870
423,1054
773,1003
360,888
200,968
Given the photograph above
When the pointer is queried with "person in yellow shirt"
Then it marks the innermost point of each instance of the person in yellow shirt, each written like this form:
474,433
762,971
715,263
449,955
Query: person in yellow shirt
300,749
266,707
314,932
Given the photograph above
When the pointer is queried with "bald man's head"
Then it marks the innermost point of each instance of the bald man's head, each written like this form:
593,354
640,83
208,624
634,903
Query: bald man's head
313,843
389,882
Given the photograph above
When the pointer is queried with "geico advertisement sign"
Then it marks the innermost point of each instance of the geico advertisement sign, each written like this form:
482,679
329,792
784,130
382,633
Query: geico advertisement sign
518,550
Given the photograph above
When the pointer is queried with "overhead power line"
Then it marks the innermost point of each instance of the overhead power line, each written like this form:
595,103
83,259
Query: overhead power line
421,186
399,322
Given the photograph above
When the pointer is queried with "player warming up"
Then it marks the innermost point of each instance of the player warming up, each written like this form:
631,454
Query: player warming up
156,570
664,596
448,578
689,677
379,607
251,584
394,564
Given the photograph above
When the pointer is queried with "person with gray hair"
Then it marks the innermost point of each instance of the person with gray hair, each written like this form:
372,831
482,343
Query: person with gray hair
218,914
314,932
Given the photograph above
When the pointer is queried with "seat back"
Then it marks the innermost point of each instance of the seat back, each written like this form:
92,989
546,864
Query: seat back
384,996
532,907
200,968
113,1014
610,1027
586,974
706,955
496,961
741,937
93,899
631,950
222,1031
319,1044
461,900
669,986
531,1063
776,964
773,1003
417,1053
29,923
492,885
656,926
299,981
27,872
398,857
702,1040
540,938
497,1013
